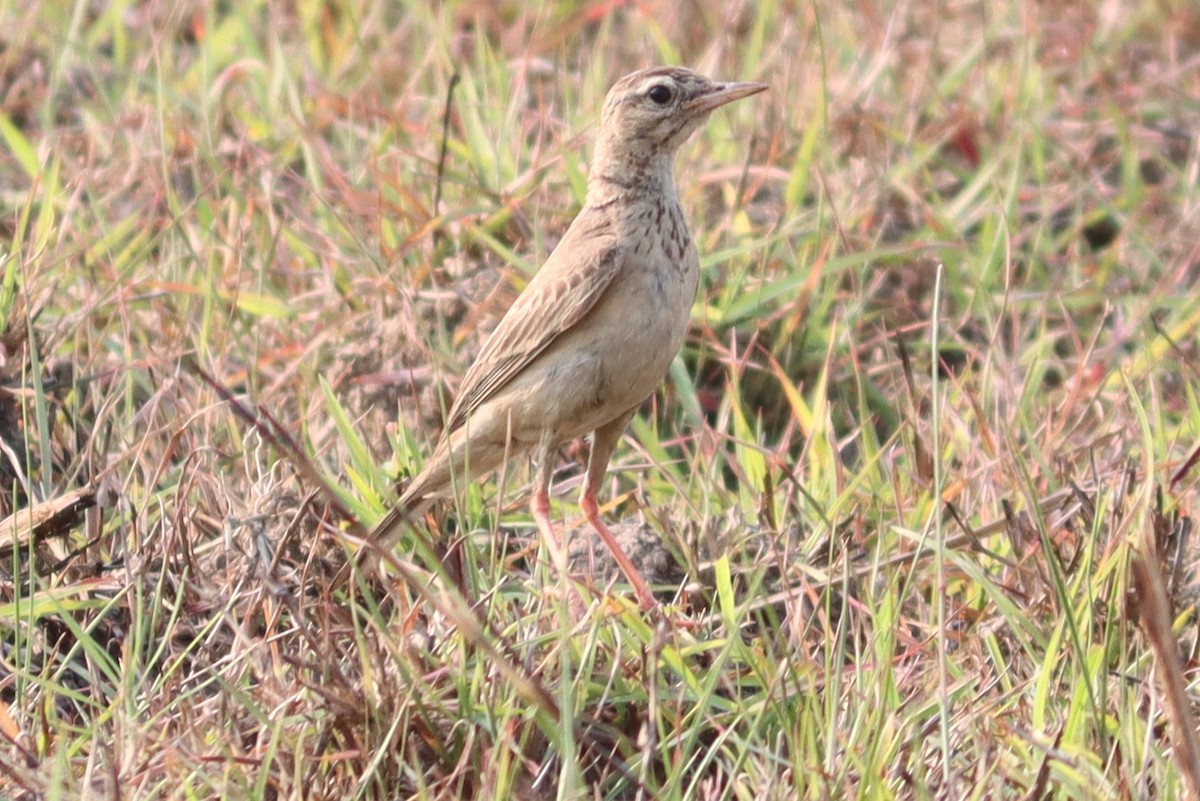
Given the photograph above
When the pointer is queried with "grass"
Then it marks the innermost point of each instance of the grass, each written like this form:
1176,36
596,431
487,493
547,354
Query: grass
939,388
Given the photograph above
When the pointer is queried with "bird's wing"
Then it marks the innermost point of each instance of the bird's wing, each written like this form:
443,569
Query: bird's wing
561,294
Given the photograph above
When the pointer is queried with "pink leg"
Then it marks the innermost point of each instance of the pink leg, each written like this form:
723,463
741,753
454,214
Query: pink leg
539,506
604,441
591,511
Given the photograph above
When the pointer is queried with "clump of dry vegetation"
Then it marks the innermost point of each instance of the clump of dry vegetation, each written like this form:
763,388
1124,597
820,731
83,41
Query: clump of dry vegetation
937,402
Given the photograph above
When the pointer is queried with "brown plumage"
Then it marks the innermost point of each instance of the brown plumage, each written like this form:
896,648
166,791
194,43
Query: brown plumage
594,332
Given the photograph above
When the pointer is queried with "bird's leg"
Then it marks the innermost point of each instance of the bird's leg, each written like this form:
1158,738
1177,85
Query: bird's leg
604,442
539,503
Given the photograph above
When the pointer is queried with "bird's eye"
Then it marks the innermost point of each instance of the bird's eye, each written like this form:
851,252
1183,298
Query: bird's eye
660,94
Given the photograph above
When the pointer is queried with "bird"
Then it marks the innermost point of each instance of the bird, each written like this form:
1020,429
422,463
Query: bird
594,332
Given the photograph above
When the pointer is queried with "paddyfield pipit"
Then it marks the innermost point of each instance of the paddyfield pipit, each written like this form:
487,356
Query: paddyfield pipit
593,333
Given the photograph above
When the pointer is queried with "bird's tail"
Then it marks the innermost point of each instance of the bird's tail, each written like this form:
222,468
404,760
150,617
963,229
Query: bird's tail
387,532
433,482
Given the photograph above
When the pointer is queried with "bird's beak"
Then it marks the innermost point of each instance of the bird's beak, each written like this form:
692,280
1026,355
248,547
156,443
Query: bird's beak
722,93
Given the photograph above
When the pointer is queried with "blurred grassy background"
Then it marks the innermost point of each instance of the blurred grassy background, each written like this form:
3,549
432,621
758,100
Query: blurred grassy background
941,376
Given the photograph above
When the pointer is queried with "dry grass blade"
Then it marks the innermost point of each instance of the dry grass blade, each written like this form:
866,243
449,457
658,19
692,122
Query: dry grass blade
1154,611
51,518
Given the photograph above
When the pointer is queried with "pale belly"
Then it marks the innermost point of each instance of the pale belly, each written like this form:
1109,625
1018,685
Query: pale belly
610,362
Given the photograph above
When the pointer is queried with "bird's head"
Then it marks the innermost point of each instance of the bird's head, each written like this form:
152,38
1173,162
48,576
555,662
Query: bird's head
651,112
